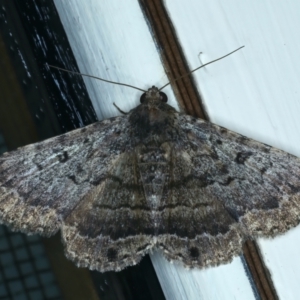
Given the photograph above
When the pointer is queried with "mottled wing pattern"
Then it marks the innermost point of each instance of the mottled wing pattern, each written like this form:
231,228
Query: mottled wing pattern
153,178
86,183
224,188
41,184
112,227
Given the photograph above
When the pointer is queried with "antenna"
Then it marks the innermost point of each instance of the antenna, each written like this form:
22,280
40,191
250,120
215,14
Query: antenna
133,87
95,77
187,74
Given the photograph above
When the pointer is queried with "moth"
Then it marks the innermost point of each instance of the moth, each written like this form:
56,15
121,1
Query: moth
153,178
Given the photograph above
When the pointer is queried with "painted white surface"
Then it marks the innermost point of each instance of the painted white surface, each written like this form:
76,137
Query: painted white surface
223,283
254,92
110,39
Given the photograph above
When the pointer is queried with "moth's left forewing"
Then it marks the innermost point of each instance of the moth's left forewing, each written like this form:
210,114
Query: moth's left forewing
40,184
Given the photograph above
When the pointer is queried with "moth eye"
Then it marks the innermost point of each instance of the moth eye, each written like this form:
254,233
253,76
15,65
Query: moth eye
143,98
163,97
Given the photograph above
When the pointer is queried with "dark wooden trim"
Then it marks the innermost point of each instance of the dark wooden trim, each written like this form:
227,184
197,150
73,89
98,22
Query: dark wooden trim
190,101
172,57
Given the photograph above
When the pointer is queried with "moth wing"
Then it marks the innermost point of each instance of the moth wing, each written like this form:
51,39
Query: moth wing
224,188
112,227
42,183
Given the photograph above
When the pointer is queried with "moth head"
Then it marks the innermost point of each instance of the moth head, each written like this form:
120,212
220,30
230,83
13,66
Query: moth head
153,95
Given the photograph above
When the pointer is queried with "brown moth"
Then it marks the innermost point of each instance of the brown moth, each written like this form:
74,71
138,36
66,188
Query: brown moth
153,178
